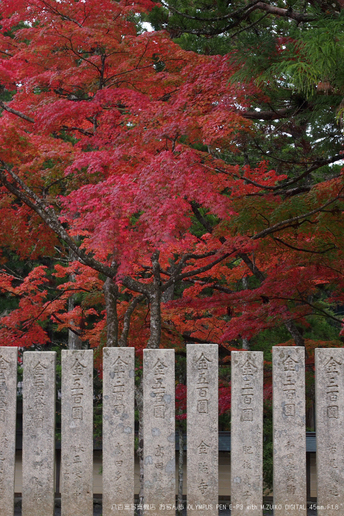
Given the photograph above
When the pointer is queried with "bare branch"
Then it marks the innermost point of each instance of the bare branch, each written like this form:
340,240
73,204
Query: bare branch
77,333
252,266
286,13
233,14
58,13
302,249
239,16
294,220
204,268
312,168
268,115
17,113
79,129
209,284
23,192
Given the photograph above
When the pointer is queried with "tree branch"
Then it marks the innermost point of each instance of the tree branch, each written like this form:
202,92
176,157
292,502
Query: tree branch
47,214
17,113
294,220
286,13
304,250
209,284
312,168
268,115
110,290
233,14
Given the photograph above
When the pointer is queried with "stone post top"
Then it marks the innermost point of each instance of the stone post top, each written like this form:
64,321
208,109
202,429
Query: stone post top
328,351
287,348
76,351
38,352
203,344
242,352
107,350
291,347
154,350
245,351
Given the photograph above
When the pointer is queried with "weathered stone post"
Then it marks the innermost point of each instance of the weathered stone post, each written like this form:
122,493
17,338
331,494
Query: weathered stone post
118,430
77,433
8,404
329,364
38,496
247,433
289,422
202,429
159,431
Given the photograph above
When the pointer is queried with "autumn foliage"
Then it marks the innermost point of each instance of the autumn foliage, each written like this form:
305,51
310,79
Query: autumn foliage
122,189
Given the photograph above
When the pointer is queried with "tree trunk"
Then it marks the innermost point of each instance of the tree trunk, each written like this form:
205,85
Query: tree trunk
74,341
245,341
155,306
169,292
294,332
123,341
155,320
110,290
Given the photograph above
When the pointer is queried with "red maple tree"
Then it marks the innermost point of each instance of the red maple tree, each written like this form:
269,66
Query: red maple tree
115,149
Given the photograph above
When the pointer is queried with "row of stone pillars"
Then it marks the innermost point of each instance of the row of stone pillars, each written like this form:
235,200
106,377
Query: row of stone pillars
289,479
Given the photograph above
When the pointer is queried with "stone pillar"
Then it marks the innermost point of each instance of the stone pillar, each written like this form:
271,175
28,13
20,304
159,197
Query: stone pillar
159,431
202,429
118,430
247,433
77,433
8,412
289,422
38,492
329,364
